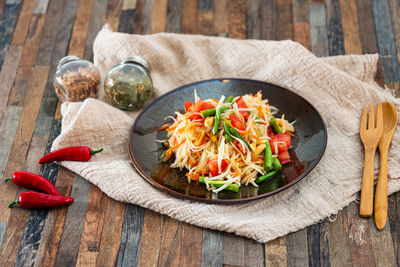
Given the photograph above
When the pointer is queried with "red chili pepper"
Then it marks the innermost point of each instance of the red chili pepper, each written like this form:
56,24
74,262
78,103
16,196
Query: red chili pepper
35,200
34,181
74,153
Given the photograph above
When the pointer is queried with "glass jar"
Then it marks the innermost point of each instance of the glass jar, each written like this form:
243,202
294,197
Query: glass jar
76,79
128,85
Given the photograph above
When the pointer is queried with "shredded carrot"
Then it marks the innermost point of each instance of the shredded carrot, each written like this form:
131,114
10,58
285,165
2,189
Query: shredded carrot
165,126
261,113
199,141
257,159
172,128
193,176
168,153
215,100
256,137
290,133
191,163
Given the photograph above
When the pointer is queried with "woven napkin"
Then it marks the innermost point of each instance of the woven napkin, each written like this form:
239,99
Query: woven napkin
337,86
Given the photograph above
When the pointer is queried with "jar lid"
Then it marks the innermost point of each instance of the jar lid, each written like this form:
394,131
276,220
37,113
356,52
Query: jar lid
139,60
67,59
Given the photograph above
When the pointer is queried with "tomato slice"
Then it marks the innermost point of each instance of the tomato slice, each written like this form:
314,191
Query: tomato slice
199,106
276,143
188,104
239,146
213,166
284,157
238,124
241,104
270,132
285,137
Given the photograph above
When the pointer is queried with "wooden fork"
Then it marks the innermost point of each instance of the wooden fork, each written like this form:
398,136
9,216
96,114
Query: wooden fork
370,137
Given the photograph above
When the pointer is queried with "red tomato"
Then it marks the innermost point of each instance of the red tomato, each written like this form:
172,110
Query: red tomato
241,104
279,144
239,146
284,157
188,104
213,166
238,124
199,106
270,132
284,137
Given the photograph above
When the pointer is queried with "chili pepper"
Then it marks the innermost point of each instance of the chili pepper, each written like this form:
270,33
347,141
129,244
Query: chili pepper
274,125
267,157
229,100
236,134
217,120
35,200
34,181
74,153
228,135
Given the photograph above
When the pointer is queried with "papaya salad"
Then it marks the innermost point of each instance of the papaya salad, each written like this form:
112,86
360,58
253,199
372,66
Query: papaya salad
228,142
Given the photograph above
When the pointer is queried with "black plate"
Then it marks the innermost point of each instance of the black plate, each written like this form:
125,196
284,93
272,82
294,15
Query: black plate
307,149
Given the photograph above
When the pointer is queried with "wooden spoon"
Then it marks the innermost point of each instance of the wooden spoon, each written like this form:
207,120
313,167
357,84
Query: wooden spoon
381,202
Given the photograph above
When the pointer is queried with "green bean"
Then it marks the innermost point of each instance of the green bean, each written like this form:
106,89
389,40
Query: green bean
236,134
217,119
267,176
231,187
276,164
274,125
229,100
228,135
267,157
211,111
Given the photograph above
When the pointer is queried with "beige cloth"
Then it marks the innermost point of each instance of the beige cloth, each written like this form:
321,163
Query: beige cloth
337,86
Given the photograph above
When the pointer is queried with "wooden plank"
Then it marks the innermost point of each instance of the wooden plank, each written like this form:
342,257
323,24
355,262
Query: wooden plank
300,10
53,229
129,4
319,36
351,35
31,237
143,18
339,244
158,16
237,19
3,226
70,238
359,237
2,4
16,161
80,29
220,18
171,242
205,17
284,23
268,20
189,16
276,252
7,23
394,218
131,237
41,6
190,254
113,14
253,253
50,30
367,27
8,130
25,67
21,27
334,26
253,20
318,247
394,7
296,248
151,239
94,220
233,253
382,245
386,43
127,21
174,16
212,248
111,234
7,76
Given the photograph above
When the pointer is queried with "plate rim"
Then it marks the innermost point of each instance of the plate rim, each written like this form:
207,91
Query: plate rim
174,193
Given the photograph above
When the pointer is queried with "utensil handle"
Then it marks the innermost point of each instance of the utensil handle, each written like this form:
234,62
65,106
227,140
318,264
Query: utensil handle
381,200
367,187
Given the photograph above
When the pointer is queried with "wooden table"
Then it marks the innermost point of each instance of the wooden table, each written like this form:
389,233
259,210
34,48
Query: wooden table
97,230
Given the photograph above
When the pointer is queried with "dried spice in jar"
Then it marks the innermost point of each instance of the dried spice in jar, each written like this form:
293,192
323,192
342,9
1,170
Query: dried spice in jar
76,79
128,85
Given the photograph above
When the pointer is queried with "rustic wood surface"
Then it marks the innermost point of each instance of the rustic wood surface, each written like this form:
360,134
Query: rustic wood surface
98,231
